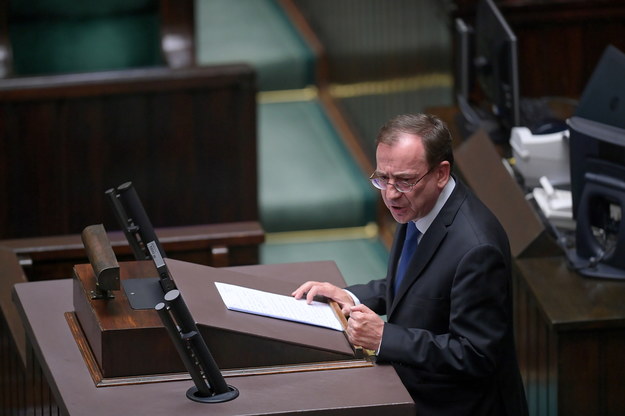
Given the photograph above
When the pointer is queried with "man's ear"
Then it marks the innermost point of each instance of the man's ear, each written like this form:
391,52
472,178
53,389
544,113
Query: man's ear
442,173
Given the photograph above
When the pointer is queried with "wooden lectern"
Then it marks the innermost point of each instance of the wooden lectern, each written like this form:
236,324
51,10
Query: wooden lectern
103,351
127,343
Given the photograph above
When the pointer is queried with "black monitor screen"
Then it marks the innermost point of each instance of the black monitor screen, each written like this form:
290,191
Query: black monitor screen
486,74
603,99
463,73
496,67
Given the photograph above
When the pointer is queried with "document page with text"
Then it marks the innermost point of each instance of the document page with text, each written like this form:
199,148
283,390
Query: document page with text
258,302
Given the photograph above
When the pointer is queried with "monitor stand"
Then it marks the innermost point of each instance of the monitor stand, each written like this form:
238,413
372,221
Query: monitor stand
602,194
593,267
470,119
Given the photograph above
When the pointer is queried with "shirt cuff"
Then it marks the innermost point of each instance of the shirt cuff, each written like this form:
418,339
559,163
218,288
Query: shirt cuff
354,298
357,302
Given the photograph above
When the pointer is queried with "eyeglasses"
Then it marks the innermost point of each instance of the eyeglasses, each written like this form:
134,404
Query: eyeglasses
401,186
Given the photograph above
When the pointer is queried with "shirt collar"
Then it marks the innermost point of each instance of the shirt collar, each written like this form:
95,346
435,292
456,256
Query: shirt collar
424,223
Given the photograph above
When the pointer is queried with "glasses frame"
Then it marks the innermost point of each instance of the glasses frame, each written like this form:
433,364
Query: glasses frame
411,186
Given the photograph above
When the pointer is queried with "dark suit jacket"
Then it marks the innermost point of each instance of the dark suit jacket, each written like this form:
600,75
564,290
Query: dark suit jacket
449,330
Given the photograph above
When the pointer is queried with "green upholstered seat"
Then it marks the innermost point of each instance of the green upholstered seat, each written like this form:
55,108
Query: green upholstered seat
58,36
308,179
368,112
359,260
256,32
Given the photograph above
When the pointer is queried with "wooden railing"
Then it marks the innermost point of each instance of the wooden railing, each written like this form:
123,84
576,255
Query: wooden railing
185,138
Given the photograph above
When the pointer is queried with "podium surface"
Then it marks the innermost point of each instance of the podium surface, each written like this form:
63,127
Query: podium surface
368,390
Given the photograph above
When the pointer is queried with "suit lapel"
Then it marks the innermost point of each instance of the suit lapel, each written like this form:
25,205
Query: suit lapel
430,242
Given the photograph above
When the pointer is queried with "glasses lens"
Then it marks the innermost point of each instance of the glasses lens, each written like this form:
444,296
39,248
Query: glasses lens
383,184
378,183
403,186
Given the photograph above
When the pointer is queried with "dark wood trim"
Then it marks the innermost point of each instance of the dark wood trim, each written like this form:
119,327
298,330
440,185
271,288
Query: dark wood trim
122,82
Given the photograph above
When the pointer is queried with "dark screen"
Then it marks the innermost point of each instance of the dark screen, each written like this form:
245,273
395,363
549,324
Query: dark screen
603,99
595,148
496,67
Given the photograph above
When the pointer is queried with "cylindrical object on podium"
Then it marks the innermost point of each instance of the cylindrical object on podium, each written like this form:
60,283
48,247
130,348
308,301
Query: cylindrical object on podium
134,209
189,329
185,355
101,257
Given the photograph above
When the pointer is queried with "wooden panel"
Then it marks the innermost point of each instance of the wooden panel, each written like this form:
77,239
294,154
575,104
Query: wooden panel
560,44
537,354
612,347
570,339
186,139
579,366
23,389
592,371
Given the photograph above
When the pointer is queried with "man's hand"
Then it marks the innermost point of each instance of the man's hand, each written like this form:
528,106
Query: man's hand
311,289
364,327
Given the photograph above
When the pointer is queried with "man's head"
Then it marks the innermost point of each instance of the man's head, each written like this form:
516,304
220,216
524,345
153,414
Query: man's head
414,155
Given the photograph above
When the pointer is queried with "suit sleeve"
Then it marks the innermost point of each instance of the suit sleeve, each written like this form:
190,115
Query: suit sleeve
478,320
372,294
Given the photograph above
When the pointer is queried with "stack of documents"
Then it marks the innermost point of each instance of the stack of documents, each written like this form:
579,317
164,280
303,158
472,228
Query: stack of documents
258,302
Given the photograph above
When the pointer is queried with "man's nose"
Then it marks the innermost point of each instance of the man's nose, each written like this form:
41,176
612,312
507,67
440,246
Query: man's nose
392,192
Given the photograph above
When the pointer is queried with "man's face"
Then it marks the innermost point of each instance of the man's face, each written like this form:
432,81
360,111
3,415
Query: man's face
405,160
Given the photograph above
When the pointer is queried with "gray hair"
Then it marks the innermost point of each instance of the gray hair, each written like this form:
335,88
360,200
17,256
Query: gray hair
434,133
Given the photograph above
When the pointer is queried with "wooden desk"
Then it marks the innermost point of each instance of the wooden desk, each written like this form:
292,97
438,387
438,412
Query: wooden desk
370,390
570,338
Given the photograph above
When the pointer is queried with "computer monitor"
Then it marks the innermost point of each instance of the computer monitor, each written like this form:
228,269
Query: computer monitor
597,161
494,67
463,73
603,98
496,63
469,119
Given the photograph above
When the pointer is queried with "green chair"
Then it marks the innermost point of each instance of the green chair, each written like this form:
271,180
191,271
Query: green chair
48,37
259,33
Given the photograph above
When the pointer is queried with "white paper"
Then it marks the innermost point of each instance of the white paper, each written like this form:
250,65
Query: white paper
258,302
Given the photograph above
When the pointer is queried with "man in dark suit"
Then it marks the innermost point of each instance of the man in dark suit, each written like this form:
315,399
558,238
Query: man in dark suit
447,293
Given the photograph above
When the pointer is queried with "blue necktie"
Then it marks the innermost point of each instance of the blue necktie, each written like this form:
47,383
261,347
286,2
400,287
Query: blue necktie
410,245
